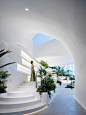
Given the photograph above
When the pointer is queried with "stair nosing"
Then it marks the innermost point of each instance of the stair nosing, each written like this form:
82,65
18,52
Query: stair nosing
20,102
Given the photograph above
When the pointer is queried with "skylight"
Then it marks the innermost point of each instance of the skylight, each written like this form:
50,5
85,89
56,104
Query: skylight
40,39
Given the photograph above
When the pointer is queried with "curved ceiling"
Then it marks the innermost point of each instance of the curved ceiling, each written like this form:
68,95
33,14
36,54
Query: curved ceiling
50,48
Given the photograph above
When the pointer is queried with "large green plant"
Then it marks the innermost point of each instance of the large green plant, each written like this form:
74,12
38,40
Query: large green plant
4,74
48,85
42,71
3,77
43,63
57,74
2,53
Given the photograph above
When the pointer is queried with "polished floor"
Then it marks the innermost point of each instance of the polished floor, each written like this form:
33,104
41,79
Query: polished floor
62,104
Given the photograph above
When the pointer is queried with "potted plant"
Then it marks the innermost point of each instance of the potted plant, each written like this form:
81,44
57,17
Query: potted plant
48,85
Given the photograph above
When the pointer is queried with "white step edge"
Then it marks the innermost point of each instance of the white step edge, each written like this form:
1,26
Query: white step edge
26,86
8,105
29,108
18,93
13,98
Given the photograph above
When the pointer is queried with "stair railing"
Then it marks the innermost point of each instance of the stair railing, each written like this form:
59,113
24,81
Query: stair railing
36,78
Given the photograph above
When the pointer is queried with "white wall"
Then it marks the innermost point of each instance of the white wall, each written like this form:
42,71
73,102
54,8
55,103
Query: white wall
16,77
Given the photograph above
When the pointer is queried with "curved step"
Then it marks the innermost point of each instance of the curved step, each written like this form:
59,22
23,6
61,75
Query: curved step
21,86
11,105
14,99
18,93
26,89
29,84
28,108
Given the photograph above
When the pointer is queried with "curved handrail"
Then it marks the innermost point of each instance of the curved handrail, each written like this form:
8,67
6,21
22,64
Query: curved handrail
36,78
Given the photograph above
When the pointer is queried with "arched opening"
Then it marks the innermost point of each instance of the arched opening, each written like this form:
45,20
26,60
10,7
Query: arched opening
56,55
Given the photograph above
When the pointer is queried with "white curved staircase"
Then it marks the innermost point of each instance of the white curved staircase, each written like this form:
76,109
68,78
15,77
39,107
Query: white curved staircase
23,98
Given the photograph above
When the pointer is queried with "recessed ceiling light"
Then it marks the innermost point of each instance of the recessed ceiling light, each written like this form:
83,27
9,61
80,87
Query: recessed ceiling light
26,9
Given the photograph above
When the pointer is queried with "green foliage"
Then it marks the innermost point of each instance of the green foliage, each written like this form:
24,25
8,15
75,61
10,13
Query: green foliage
38,76
3,77
44,72
73,81
47,86
4,74
71,78
6,64
65,78
59,82
57,74
53,71
68,73
69,86
2,53
43,63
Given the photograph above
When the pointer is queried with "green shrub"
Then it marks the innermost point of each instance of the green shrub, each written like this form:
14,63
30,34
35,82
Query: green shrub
3,76
47,85
71,78
69,86
73,81
59,81
43,63
38,75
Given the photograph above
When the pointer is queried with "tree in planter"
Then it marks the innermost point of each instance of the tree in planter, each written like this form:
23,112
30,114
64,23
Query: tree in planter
48,85
4,74
58,81
42,71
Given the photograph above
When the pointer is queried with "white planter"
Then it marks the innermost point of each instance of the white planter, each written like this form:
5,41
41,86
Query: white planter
44,97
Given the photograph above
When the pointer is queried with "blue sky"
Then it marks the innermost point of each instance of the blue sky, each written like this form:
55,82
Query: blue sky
40,39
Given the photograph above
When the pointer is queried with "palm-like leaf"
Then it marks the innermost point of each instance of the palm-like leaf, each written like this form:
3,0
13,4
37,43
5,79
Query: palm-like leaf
2,52
7,64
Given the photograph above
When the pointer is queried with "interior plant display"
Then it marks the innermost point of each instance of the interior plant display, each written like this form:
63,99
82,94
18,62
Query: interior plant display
47,82
57,74
68,73
41,70
3,77
4,74
43,63
71,85
58,81
48,85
